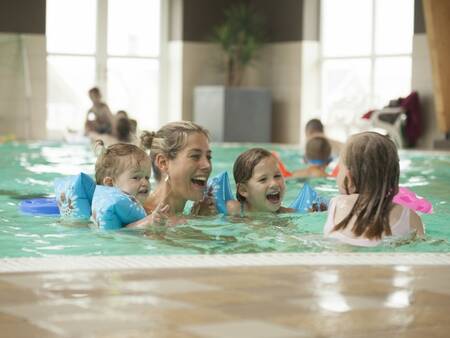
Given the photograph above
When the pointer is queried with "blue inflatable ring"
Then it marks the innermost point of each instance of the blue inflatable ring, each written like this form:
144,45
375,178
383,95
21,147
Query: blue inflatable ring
39,206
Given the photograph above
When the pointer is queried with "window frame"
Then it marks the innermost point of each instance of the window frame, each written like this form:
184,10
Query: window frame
101,55
372,57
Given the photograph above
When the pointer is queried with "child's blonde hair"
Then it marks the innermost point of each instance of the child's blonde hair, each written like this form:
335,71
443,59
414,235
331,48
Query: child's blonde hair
115,159
169,140
244,166
373,164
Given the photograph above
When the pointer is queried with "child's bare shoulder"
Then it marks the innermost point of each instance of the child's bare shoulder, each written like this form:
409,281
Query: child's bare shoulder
346,198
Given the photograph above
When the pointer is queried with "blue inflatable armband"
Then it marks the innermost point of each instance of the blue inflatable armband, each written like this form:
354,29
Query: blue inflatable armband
221,190
39,207
74,195
308,200
113,209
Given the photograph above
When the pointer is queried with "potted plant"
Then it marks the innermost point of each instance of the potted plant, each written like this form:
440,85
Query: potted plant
228,111
240,37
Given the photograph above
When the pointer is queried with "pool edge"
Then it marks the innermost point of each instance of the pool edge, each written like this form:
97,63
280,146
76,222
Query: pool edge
76,263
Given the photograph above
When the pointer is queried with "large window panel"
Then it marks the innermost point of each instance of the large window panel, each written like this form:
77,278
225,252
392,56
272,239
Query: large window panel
394,26
121,58
347,28
69,78
345,89
133,27
366,58
133,86
392,79
71,26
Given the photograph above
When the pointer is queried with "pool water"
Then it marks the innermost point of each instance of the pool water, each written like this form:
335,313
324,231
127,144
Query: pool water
28,171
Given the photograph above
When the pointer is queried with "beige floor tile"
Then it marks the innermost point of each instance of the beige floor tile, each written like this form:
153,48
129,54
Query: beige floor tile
248,328
216,298
344,301
17,327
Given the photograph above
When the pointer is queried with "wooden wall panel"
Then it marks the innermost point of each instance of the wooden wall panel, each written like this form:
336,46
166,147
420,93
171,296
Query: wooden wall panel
437,14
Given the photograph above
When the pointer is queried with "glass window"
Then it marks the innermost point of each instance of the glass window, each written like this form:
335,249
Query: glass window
366,57
347,28
69,79
133,87
394,26
126,66
133,27
392,79
71,26
345,89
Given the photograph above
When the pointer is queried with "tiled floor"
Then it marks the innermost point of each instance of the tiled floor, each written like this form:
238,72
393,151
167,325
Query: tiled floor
294,301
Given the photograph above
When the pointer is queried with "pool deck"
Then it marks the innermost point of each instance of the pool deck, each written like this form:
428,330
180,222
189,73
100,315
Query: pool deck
261,295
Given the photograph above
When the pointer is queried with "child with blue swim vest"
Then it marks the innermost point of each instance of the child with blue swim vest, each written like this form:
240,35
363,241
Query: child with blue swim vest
122,173
260,186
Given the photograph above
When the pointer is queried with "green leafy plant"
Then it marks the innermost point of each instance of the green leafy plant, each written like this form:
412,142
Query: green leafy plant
240,36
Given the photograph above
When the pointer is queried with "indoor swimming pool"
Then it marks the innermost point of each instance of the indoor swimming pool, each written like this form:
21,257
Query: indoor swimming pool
28,171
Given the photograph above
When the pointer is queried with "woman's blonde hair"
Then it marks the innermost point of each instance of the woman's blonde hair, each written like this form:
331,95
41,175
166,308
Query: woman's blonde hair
115,159
245,164
373,164
169,140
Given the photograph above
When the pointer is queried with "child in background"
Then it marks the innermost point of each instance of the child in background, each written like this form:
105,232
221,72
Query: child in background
314,127
128,168
368,180
317,156
259,184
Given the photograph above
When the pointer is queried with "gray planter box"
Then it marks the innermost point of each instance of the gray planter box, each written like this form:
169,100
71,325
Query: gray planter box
233,114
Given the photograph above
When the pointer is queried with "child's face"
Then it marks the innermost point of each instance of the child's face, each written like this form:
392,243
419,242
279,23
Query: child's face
135,181
191,168
264,191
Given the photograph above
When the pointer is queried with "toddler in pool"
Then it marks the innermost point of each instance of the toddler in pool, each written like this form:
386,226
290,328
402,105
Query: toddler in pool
368,180
128,168
317,156
260,186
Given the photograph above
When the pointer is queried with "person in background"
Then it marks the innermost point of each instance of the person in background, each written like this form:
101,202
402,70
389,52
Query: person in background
314,127
125,128
317,157
99,118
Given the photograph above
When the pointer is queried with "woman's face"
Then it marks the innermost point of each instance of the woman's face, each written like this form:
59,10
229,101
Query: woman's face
190,170
264,191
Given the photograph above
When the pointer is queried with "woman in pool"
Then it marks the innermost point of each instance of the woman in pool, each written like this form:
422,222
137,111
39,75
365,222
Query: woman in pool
181,161
368,180
259,184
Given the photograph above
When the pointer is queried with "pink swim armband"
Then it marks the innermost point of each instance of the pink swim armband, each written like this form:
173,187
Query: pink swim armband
409,199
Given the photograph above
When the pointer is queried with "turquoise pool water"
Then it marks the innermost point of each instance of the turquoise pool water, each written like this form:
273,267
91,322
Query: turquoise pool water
28,171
